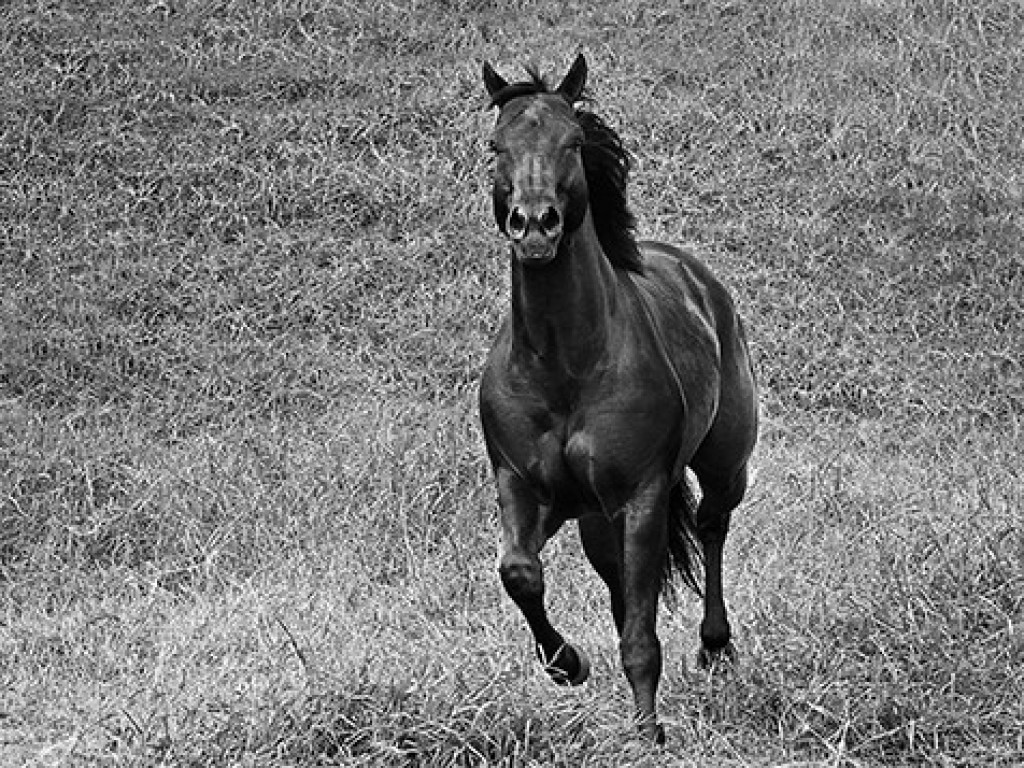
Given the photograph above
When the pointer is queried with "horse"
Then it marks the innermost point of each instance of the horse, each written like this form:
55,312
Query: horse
621,369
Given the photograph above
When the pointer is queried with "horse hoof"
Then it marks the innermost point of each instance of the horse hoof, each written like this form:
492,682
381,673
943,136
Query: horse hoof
653,733
583,672
718,659
567,667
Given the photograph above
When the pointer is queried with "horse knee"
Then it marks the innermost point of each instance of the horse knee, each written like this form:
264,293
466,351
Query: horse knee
711,525
641,658
522,576
714,513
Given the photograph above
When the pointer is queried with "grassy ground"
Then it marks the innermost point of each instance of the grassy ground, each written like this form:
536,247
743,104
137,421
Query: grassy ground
247,280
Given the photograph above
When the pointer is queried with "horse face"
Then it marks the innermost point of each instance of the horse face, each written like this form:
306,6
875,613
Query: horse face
540,188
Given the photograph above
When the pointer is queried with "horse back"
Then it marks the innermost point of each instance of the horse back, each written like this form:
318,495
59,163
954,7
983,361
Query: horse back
693,308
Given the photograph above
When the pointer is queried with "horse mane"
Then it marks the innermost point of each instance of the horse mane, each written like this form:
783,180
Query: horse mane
606,164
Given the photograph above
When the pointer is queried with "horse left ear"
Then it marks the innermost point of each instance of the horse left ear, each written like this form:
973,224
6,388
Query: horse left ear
493,80
572,86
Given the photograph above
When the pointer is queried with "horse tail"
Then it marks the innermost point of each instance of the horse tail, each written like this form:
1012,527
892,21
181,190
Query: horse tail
685,556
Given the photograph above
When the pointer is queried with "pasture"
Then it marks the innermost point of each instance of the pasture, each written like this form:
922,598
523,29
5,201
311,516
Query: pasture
248,277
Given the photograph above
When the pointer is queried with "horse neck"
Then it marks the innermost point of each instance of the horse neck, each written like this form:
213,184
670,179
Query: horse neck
562,312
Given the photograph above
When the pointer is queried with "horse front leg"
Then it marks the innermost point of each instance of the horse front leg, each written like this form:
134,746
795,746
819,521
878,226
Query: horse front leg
526,526
602,544
644,539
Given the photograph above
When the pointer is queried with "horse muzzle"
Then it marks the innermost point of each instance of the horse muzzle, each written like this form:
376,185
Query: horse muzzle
534,251
535,234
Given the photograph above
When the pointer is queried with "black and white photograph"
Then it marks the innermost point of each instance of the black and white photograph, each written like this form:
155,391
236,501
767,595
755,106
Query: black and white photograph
456,383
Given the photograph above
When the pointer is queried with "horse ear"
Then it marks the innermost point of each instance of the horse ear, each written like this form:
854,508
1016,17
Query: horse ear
493,80
572,85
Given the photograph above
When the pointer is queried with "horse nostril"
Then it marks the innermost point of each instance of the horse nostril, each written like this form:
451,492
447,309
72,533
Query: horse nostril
516,224
551,220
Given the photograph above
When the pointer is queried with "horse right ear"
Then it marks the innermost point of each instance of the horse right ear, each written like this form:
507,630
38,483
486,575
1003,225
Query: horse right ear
572,86
493,80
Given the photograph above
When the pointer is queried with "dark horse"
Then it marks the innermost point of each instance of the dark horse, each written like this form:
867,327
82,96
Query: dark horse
621,364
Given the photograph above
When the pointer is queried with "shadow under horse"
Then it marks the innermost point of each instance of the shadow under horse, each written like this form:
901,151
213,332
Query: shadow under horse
621,363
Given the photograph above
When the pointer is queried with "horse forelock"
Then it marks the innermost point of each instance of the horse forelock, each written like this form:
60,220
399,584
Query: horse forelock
535,85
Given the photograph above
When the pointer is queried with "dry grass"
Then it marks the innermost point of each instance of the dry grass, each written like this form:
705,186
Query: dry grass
247,279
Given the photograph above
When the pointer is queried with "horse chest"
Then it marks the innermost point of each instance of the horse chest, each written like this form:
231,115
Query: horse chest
584,444
594,456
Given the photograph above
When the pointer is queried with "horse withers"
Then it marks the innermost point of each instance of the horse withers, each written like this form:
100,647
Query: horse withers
621,364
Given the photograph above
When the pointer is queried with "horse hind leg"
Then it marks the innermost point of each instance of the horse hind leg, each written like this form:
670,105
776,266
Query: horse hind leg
712,520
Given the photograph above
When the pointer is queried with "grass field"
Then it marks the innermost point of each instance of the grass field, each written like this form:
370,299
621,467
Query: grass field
248,276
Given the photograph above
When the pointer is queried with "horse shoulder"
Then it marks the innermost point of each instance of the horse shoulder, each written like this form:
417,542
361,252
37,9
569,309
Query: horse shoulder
520,429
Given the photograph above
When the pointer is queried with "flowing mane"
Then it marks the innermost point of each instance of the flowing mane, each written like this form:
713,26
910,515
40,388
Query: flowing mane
606,163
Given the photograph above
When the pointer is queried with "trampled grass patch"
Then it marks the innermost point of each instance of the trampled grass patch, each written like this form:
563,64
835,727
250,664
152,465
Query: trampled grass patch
248,276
